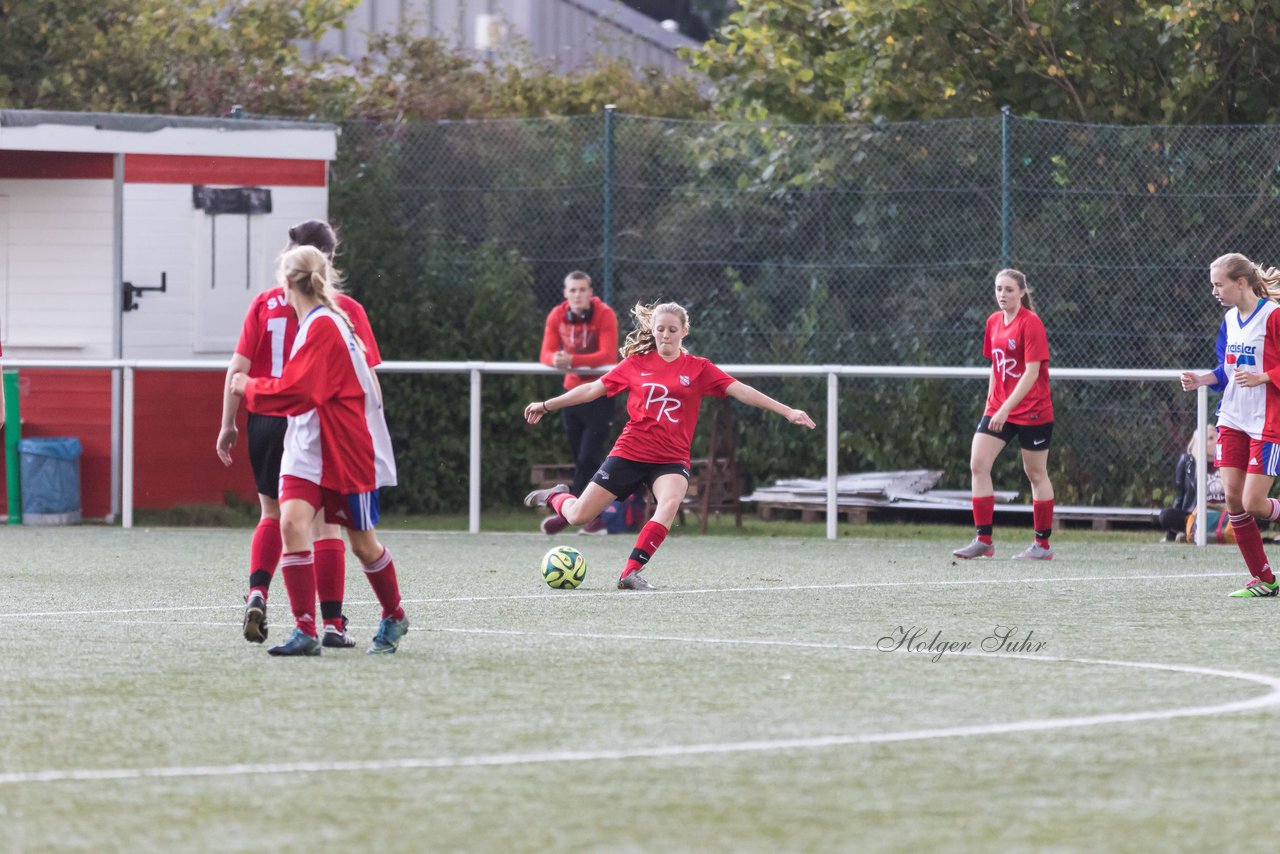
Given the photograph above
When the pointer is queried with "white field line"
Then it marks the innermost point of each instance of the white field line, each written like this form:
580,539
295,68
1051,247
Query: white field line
1264,701
567,595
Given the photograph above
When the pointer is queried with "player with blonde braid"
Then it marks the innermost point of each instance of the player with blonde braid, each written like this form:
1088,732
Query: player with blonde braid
337,451
266,342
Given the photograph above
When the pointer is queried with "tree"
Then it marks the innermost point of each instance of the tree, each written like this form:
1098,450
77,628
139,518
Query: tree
201,57
1099,61
193,57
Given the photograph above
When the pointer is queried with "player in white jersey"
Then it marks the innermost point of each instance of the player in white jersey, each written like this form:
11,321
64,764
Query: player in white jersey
1248,458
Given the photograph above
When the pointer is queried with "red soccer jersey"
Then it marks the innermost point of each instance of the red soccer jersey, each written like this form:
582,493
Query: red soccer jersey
662,404
270,326
337,435
591,343
1010,347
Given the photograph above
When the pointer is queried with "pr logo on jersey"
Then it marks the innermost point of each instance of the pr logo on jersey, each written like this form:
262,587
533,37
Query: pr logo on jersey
660,395
1005,366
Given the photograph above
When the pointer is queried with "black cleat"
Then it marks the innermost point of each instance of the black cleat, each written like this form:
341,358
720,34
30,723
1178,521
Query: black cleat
336,638
255,618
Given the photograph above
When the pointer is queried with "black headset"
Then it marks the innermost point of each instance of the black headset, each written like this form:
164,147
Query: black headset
585,317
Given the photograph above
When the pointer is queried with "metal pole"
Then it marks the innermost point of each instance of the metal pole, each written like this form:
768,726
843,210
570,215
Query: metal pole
833,449
1202,465
607,224
1005,212
117,334
126,491
473,524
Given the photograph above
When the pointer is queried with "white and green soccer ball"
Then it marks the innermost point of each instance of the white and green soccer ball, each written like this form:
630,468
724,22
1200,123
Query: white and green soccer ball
563,568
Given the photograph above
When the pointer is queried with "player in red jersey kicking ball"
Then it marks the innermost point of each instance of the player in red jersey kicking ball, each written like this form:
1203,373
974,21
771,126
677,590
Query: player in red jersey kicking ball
337,451
1018,404
665,386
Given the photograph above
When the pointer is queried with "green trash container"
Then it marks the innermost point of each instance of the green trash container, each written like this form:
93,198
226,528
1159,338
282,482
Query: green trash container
50,480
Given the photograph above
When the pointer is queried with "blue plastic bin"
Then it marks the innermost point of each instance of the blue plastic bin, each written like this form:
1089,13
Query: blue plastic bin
50,480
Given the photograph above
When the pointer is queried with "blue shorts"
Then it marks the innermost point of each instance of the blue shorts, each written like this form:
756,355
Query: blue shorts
356,511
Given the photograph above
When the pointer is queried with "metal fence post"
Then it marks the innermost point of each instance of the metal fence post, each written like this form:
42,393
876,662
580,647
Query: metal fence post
473,474
1005,212
607,223
126,449
833,453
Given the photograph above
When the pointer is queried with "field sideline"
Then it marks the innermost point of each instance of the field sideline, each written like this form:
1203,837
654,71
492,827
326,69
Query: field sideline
776,694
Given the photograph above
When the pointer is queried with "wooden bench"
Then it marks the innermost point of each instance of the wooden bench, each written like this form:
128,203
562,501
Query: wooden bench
856,511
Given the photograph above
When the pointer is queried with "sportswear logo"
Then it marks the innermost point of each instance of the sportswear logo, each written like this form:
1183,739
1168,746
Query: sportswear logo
1253,461
658,394
341,514
1034,442
603,475
646,373
684,380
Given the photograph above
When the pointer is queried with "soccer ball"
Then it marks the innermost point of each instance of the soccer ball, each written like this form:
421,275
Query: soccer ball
563,568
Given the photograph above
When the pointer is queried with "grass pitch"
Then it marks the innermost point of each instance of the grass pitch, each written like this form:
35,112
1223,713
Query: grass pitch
776,694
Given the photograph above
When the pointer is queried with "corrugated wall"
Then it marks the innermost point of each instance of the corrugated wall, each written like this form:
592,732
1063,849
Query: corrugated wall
567,32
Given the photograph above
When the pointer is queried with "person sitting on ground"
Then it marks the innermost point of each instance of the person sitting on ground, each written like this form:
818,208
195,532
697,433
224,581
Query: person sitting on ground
1178,519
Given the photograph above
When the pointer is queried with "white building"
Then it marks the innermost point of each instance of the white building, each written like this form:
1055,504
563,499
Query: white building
90,201
568,33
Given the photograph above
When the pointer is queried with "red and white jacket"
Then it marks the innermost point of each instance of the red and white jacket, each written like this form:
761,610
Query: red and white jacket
337,435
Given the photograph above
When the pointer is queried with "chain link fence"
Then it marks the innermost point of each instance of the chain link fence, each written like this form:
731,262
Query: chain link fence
866,244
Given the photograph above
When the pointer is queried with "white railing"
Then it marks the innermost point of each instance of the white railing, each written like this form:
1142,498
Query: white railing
123,457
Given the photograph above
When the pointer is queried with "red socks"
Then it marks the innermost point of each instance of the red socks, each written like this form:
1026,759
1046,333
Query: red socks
557,501
264,554
651,536
984,509
1042,520
299,573
331,571
1249,539
382,578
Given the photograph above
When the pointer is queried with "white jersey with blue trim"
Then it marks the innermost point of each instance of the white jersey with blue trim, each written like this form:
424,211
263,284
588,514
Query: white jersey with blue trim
1245,409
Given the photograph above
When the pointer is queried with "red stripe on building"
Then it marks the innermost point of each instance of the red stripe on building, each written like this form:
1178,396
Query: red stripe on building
45,165
237,171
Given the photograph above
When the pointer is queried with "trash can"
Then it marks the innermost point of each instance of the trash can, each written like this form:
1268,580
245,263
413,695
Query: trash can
50,480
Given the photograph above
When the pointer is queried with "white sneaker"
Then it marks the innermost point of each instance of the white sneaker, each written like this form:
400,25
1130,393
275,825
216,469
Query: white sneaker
1035,551
977,548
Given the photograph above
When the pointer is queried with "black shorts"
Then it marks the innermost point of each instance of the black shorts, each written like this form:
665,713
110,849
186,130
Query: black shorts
1031,437
623,477
266,447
